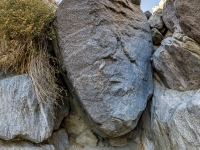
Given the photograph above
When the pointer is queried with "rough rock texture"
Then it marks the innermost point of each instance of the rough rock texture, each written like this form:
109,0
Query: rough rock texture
75,124
20,114
24,145
87,138
169,16
175,119
155,21
147,14
105,49
156,36
177,61
187,13
59,140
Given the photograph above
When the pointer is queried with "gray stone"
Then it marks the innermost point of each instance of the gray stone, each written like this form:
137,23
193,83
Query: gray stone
177,61
21,116
169,16
147,14
187,13
118,141
24,145
156,36
155,21
105,49
59,140
175,119
87,138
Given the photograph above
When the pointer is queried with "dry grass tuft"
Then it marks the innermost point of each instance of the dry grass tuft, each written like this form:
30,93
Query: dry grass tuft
24,36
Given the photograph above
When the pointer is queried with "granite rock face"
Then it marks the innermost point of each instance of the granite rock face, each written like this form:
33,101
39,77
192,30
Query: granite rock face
22,117
169,16
156,21
187,13
175,119
105,49
177,62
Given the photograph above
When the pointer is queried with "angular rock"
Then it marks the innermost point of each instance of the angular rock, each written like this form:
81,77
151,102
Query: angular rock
21,116
24,145
175,119
59,140
155,21
147,14
177,61
168,34
169,16
187,13
105,49
87,138
156,36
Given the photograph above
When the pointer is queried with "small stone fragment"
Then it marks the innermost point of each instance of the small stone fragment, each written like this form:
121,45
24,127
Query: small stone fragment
156,36
87,138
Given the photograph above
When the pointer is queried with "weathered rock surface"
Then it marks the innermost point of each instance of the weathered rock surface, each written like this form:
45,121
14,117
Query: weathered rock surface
177,61
148,14
156,21
156,36
21,115
169,16
59,140
187,13
175,119
24,145
105,49
87,138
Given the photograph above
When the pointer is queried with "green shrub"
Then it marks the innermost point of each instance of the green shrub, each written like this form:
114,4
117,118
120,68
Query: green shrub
25,32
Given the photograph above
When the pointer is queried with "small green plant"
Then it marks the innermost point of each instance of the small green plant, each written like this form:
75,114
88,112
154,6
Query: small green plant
24,36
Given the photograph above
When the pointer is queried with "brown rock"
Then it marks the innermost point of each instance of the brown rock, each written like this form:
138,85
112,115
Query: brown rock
188,14
177,61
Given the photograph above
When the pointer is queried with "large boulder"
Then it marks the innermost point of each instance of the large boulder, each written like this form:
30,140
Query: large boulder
105,49
177,61
175,119
187,13
21,115
169,16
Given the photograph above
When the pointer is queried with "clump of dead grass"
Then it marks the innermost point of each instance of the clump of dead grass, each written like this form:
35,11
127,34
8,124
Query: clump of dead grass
24,36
